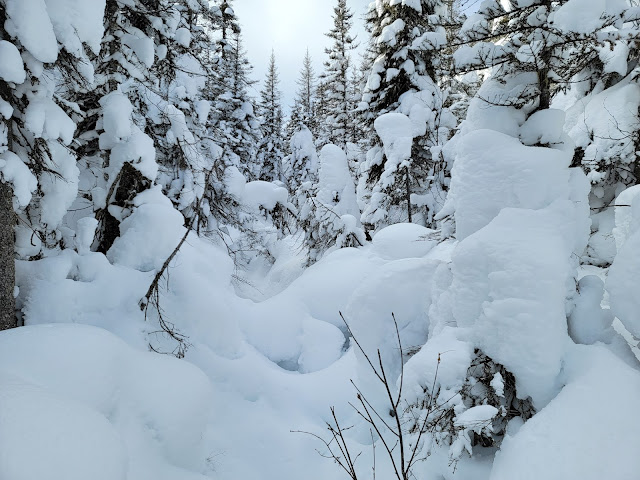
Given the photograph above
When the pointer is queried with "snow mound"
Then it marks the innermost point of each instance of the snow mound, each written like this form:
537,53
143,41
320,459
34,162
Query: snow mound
46,436
264,194
404,240
493,171
626,211
149,234
401,288
89,406
335,185
589,431
510,283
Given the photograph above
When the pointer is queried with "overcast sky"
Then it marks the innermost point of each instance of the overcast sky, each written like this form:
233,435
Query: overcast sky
289,27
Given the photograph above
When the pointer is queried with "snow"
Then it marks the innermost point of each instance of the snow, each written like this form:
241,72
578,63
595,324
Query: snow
47,120
59,186
390,32
521,328
264,194
85,233
626,215
149,234
15,171
514,273
203,107
577,435
142,46
497,383
588,322
455,356
395,131
493,171
623,298
183,37
404,240
543,127
43,434
76,22
415,4
583,16
29,21
125,139
335,185
6,110
599,122
401,288
117,111
96,418
11,66
477,418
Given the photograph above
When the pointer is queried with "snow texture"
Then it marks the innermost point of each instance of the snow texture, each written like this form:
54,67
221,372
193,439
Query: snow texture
11,66
572,437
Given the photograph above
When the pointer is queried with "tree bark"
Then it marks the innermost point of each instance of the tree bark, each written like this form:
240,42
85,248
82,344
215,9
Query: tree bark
7,260
408,194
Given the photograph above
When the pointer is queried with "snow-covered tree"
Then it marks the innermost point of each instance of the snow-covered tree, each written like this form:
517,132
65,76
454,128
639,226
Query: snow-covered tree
45,56
301,165
404,78
519,243
338,114
236,127
271,147
119,128
328,209
604,117
321,110
303,110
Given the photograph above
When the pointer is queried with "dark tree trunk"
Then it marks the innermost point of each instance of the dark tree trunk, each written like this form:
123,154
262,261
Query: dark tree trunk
126,186
408,194
7,261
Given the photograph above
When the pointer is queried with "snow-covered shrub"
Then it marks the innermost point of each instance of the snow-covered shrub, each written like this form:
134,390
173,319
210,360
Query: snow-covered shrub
329,213
451,420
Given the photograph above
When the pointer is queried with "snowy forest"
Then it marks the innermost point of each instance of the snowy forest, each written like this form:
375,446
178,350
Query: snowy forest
423,267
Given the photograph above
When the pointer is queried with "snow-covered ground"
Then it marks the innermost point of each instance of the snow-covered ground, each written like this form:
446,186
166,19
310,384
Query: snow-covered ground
78,401
293,323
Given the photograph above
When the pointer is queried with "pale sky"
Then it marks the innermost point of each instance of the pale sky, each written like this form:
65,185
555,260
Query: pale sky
289,27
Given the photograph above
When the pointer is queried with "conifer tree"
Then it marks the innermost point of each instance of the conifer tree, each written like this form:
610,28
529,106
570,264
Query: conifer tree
271,148
305,95
38,173
236,128
137,62
339,103
328,208
404,78
303,110
322,109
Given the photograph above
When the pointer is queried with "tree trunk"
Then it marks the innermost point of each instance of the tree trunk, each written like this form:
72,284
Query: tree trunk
7,261
408,194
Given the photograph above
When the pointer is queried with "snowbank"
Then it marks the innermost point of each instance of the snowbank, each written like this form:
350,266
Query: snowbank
589,431
493,171
89,406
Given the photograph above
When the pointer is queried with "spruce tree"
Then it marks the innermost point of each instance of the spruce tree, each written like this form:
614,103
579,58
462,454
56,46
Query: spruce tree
271,147
303,110
322,111
305,95
339,103
536,42
404,78
38,173
236,128
122,125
